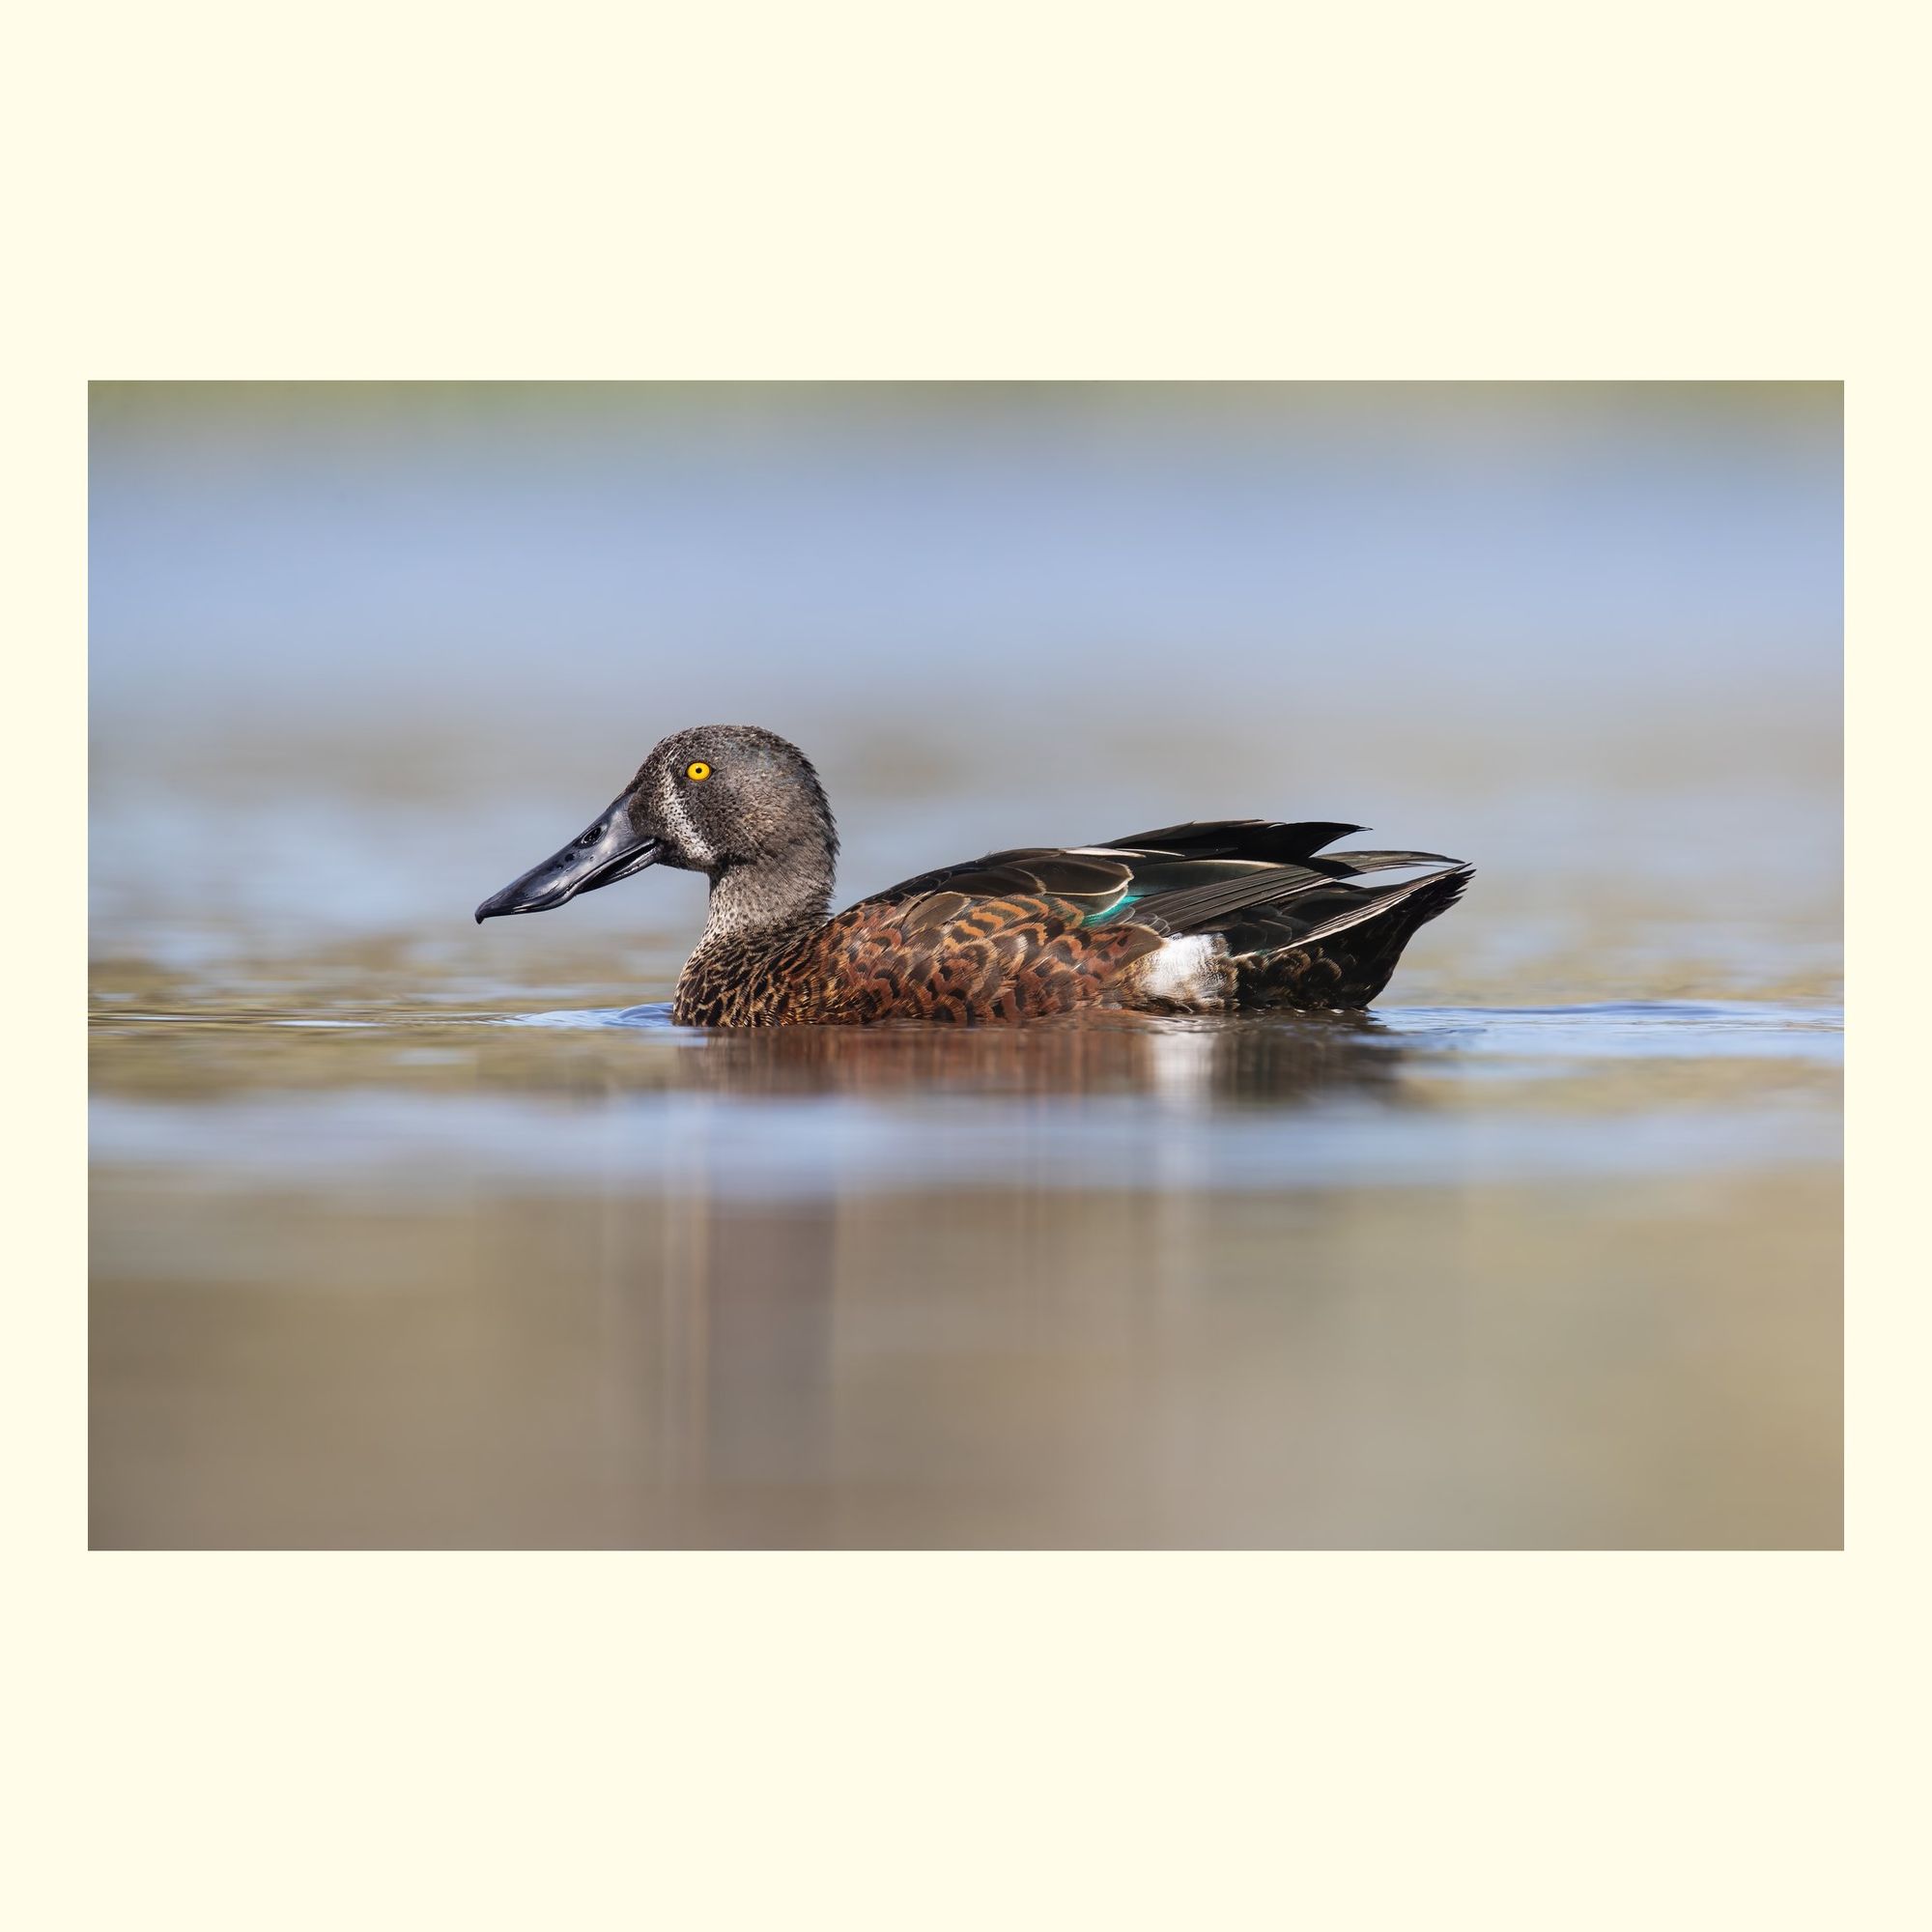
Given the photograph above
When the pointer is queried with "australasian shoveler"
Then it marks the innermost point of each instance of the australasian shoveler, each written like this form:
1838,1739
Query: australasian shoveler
1210,918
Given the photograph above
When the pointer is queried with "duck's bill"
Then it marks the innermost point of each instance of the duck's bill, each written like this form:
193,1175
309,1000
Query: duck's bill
609,850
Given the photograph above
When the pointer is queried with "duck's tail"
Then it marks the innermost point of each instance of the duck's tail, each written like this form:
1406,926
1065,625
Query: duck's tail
1337,945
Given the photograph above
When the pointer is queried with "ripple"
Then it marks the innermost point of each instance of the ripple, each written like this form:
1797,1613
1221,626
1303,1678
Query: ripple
656,1017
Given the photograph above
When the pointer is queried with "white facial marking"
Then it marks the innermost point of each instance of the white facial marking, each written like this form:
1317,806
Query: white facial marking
689,839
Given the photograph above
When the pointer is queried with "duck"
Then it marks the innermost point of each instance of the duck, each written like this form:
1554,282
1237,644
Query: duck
1215,916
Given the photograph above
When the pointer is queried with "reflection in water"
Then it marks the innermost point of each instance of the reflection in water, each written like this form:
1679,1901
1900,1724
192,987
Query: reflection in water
1432,1278
753,1371
1280,1061
759,1312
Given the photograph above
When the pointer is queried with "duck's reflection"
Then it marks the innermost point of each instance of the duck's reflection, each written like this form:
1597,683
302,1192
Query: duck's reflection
718,1377
1280,1061
787,1324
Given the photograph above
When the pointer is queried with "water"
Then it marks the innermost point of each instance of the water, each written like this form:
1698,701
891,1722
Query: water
408,1233
1445,1275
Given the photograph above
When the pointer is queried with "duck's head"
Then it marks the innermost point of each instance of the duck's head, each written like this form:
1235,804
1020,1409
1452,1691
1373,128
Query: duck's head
717,799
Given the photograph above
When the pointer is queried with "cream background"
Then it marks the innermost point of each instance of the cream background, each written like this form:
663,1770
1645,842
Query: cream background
932,1741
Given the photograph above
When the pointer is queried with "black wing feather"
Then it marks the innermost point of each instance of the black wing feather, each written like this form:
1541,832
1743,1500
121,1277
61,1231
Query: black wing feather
1261,838
1284,907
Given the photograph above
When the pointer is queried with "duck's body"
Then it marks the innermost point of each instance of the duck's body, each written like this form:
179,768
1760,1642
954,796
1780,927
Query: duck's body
1206,918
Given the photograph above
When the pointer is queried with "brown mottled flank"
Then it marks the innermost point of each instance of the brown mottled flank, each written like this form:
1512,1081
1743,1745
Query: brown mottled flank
1206,918
940,957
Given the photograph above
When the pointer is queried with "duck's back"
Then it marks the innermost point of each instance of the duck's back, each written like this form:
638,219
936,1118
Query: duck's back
1203,918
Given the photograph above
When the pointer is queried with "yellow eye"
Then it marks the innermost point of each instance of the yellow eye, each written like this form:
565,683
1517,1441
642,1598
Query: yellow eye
699,771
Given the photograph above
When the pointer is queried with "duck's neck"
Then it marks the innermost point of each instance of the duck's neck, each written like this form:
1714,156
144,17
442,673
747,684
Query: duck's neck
768,899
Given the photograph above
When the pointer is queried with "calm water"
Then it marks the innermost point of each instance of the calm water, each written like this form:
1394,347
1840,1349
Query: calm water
410,1233
400,1242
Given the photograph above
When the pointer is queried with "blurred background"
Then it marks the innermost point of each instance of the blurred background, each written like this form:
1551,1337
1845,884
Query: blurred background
403,1235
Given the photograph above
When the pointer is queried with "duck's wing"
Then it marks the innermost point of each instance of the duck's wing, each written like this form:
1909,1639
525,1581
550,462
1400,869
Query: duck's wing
1182,878
1281,906
1103,878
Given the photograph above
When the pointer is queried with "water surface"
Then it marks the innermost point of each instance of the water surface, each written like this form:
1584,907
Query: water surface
1446,1275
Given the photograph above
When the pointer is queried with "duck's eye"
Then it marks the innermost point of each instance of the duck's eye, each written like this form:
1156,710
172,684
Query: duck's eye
697,771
